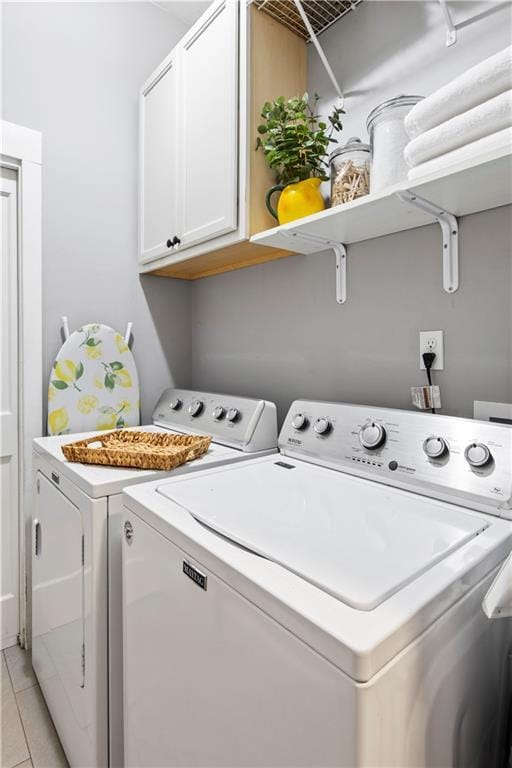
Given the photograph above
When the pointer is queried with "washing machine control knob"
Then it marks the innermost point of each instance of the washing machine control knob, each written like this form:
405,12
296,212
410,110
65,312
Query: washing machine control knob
218,412
175,404
477,454
435,447
372,436
300,421
233,415
322,426
195,407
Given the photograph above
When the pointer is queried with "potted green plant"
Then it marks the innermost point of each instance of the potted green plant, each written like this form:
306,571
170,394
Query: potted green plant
295,143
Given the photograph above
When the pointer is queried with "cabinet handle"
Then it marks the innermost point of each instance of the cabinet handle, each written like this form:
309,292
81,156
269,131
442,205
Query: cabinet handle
176,240
169,243
37,538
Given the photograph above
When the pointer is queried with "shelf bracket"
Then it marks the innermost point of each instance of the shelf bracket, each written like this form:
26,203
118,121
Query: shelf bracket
450,230
320,51
340,253
451,31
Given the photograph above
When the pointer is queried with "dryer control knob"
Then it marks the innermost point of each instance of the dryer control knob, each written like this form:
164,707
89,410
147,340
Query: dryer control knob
372,436
218,412
322,426
477,454
300,421
175,404
233,415
435,447
195,407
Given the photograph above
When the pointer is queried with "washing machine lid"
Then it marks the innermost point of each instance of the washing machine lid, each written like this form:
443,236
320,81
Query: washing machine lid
357,540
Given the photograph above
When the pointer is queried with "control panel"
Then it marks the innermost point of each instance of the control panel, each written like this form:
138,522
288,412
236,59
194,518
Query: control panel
239,422
460,460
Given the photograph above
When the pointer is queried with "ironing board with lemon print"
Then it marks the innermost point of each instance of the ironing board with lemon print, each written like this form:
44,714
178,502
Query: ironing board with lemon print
93,383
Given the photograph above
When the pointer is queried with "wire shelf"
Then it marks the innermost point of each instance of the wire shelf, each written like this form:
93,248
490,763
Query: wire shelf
321,13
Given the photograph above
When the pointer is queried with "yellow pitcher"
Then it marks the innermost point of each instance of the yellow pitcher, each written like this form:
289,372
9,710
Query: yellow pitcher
296,200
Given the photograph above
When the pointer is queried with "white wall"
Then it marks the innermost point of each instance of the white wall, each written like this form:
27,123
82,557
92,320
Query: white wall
72,71
275,330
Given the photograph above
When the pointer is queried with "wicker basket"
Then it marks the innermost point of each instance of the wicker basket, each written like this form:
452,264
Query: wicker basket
142,450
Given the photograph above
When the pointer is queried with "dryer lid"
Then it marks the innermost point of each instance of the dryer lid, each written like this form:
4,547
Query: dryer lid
356,540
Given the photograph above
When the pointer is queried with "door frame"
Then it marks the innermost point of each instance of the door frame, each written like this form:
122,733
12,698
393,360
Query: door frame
21,150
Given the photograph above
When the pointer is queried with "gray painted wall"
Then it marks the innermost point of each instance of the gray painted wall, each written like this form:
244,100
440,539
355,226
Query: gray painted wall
72,71
275,330
384,49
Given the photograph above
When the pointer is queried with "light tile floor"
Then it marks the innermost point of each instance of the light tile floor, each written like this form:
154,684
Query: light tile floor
27,736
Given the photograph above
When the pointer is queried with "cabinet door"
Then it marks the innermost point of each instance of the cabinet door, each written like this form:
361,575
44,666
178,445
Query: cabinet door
158,162
208,175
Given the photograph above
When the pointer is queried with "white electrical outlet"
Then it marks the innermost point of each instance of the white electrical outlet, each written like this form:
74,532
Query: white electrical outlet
432,341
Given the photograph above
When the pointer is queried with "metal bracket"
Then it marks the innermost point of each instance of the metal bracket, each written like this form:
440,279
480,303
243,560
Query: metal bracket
450,230
341,259
128,333
65,327
451,31
320,51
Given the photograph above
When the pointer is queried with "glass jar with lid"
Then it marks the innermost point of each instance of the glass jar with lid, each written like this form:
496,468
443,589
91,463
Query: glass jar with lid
388,139
350,171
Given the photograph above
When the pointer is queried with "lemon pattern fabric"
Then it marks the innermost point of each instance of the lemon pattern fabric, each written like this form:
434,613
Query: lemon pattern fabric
93,383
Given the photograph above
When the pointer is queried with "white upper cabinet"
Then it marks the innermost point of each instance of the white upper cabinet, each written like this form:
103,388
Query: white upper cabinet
208,70
202,185
158,161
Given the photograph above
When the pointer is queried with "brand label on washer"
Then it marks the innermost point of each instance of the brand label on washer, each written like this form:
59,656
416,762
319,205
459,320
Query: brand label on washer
197,577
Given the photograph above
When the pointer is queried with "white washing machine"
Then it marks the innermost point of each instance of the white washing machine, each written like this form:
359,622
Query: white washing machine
322,607
76,564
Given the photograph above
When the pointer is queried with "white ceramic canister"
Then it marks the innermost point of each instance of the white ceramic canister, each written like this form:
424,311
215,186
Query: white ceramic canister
388,139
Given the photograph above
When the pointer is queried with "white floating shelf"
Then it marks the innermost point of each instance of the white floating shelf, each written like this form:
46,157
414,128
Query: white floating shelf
468,187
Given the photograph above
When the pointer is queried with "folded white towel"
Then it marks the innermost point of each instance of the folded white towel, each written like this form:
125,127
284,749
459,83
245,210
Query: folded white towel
500,140
480,83
487,118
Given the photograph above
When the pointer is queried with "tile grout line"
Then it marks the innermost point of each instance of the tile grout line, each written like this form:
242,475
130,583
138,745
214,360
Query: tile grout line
19,712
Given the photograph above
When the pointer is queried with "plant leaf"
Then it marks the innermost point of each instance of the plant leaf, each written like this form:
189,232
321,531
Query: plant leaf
58,384
79,371
109,381
296,139
116,365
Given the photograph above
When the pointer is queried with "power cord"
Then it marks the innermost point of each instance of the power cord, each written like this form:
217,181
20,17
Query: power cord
428,360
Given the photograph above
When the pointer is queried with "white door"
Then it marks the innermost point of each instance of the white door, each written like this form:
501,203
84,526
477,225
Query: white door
158,163
208,67
9,500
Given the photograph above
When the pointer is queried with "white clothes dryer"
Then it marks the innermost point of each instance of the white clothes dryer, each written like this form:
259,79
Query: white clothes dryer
323,607
76,563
